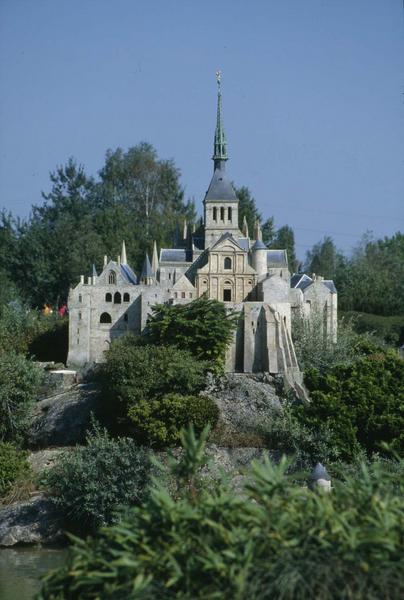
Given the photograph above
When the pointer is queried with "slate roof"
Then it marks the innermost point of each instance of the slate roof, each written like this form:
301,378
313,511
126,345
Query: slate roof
277,259
228,236
300,280
220,187
147,270
175,255
259,245
330,284
128,274
244,243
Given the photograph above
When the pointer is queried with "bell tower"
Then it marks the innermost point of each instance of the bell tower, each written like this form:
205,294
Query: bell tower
221,202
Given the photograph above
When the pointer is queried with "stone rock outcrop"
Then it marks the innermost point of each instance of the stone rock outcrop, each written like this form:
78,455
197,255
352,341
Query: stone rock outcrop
57,381
245,401
63,420
42,460
36,521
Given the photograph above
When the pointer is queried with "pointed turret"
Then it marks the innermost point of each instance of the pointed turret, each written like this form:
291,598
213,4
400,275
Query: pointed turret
147,274
94,273
185,230
220,144
124,260
155,259
245,227
105,261
258,232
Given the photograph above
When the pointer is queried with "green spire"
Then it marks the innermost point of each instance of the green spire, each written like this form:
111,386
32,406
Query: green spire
220,151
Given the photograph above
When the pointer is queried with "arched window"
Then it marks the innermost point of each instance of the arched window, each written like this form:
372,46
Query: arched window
105,318
229,213
112,277
226,295
117,298
108,297
227,263
214,213
126,297
222,214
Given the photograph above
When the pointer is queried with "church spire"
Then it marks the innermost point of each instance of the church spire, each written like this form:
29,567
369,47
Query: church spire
220,150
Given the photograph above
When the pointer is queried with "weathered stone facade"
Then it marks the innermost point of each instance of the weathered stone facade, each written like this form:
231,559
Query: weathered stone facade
220,262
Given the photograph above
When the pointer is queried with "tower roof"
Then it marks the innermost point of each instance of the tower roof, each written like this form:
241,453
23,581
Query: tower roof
147,271
220,187
220,144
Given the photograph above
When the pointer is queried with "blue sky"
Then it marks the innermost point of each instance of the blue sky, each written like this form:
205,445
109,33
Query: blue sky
312,99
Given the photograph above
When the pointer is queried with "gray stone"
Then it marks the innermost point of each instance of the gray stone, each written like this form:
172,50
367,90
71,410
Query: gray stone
41,460
56,381
244,401
36,521
63,420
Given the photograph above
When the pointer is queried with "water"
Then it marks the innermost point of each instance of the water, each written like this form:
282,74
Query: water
21,569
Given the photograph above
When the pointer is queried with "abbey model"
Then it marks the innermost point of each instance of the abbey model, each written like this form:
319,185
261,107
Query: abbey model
223,263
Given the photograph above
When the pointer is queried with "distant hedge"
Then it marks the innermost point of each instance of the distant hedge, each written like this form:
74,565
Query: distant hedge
389,329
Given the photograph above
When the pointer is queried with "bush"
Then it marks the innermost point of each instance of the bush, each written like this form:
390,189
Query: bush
132,374
274,540
19,382
160,421
361,403
388,329
13,464
316,350
204,327
91,482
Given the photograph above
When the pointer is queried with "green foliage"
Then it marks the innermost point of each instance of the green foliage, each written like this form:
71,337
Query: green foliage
134,374
28,332
204,327
362,404
90,483
316,350
247,208
372,280
138,198
388,329
323,259
273,540
13,464
160,420
19,382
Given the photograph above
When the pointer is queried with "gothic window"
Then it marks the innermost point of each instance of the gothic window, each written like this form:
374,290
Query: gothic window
214,213
229,211
227,263
108,297
112,277
80,298
222,213
126,297
105,318
226,295
117,298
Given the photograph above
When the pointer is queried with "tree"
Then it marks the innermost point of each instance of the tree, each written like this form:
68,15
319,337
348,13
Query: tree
247,208
285,239
268,232
323,259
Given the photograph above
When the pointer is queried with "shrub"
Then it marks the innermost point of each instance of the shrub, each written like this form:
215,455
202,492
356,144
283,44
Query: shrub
316,350
91,482
361,403
204,327
389,329
19,382
13,464
274,540
132,374
160,421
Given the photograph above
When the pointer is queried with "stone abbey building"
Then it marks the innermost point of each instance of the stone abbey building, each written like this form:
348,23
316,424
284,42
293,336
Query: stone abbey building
223,263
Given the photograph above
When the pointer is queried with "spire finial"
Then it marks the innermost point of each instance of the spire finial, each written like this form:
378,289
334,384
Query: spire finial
220,150
123,254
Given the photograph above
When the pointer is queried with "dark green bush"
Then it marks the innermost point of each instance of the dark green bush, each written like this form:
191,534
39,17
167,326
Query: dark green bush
159,421
389,329
274,540
135,373
92,482
204,327
19,382
13,464
361,403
